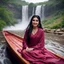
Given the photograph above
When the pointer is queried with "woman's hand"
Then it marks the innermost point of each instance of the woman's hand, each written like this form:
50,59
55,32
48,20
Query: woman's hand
29,49
19,50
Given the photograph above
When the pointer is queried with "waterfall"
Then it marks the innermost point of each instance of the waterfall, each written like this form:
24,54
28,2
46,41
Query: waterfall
42,18
33,11
38,10
24,13
24,22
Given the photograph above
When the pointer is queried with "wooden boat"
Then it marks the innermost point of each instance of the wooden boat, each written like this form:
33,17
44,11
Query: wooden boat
15,43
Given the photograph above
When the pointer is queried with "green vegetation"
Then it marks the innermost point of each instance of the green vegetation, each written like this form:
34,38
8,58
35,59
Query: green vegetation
7,16
2,24
51,2
55,17
18,2
55,21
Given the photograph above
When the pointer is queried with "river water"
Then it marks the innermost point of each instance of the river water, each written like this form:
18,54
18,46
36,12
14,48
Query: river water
3,54
49,44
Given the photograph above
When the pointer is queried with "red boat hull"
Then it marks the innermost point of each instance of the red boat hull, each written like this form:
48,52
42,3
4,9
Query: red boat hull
14,43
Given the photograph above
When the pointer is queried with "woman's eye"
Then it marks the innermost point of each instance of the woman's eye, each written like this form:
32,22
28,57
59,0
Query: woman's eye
35,20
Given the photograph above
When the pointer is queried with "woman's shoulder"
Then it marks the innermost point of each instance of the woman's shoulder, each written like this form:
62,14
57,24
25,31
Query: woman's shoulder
41,30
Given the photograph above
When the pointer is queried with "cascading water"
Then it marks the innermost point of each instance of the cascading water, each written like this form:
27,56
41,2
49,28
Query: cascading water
38,10
24,13
33,11
42,13
24,22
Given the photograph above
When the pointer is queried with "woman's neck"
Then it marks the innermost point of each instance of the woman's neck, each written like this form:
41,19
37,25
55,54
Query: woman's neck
34,28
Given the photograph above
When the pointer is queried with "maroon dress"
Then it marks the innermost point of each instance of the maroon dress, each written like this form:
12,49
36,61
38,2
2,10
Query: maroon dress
39,55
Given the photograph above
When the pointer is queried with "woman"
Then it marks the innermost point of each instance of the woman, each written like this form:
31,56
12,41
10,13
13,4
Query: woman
33,45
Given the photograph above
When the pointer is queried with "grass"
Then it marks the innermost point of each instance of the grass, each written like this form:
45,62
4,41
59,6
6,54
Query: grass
54,21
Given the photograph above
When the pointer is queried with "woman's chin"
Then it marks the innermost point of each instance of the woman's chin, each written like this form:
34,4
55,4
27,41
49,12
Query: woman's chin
34,26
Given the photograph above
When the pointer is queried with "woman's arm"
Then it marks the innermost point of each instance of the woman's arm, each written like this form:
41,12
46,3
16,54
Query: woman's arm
25,46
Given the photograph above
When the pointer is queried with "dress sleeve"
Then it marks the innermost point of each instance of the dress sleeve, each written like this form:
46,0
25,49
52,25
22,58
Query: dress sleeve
41,42
24,40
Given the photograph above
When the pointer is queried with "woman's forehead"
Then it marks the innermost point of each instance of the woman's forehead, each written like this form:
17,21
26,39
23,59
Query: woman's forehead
35,18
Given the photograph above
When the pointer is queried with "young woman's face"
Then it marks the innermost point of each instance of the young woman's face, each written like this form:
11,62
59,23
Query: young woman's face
35,22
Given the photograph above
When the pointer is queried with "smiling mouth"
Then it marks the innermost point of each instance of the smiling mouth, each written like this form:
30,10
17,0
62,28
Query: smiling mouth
35,23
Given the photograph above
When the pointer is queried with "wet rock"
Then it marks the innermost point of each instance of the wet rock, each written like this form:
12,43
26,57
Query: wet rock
7,61
60,33
55,31
3,47
58,30
47,30
1,51
0,62
3,41
1,33
62,29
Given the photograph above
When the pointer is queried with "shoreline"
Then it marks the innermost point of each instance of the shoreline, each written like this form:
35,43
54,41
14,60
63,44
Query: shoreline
55,37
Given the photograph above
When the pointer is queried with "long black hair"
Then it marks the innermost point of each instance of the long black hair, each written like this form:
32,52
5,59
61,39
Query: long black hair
30,27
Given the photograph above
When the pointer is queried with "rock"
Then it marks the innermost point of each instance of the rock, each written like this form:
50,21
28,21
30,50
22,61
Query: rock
0,62
1,51
58,30
47,30
62,29
3,41
60,33
7,61
53,30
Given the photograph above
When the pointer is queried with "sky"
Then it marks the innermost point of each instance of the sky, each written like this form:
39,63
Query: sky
35,1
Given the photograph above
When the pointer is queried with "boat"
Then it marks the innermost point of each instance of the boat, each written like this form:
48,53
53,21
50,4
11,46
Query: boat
14,43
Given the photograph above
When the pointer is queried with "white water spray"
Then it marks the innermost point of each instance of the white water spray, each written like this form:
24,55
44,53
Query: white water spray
38,10
23,24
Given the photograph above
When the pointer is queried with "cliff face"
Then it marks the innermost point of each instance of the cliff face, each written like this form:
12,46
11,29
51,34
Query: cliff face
16,9
53,7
